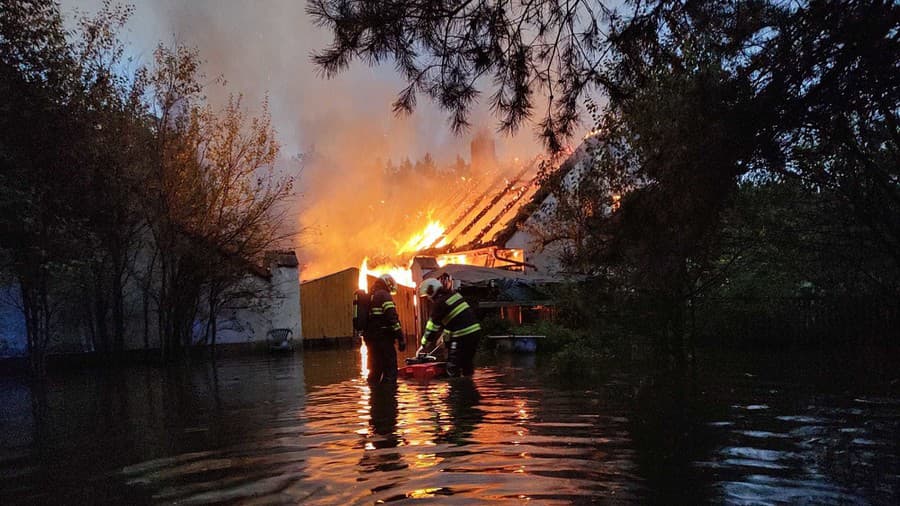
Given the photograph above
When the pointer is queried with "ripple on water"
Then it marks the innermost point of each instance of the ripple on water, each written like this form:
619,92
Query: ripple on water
272,432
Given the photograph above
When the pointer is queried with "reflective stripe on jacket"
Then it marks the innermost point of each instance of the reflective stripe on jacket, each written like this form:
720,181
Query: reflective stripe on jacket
383,318
452,313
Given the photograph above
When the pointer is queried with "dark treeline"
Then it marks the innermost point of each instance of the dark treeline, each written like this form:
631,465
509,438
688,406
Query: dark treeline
752,149
426,167
743,177
123,191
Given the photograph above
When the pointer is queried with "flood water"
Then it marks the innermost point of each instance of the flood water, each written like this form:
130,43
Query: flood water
740,428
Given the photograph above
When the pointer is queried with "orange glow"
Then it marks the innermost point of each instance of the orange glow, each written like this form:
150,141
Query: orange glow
364,359
439,212
461,213
422,493
424,239
402,275
451,259
616,201
363,275
485,257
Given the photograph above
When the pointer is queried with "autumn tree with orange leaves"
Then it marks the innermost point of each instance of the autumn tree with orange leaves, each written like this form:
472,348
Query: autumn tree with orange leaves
213,196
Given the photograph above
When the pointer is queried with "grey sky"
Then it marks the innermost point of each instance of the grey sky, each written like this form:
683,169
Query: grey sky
264,46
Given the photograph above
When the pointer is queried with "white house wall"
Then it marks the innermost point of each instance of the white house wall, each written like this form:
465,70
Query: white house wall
546,258
276,306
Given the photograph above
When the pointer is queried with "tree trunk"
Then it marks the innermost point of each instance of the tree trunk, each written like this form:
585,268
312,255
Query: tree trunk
101,310
118,302
213,303
36,309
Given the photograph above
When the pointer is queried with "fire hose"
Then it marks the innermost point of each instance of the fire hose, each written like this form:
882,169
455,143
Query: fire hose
420,353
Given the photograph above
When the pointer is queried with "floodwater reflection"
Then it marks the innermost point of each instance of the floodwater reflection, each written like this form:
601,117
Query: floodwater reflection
308,429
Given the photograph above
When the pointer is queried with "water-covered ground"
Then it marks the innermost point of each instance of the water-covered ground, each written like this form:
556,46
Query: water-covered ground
740,428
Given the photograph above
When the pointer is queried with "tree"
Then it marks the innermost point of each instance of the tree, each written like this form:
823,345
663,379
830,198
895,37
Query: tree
460,168
808,90
104,177
704,95
212,197
39,176
426,166
543,51
678,131
116,159
832,76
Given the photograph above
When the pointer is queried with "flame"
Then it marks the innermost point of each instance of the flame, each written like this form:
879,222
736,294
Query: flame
402,275
432,235
485,257
363,275
424,239
451,259
363,359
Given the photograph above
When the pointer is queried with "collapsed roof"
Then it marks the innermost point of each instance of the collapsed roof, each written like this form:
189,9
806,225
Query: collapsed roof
475,275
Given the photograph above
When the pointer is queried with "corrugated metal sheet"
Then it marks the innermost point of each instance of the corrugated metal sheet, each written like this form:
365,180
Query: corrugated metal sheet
326,306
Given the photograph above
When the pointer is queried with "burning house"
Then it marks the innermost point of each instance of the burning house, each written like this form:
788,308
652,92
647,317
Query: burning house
477,229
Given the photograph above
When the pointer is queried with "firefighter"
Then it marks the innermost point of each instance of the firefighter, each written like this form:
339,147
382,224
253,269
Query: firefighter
382,329
451,314
446,281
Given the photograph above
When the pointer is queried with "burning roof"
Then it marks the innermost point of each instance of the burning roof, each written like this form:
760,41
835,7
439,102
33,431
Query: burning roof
474,222
459,215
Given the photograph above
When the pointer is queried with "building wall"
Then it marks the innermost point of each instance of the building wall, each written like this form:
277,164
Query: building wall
276,305
285,306
546,258
407,311
326,306
13,340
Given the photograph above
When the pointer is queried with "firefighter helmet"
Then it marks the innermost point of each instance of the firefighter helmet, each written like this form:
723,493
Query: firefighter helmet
389,283
429,287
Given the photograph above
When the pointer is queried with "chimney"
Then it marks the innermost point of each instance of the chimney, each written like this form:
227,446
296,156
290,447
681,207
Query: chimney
422,266
484,155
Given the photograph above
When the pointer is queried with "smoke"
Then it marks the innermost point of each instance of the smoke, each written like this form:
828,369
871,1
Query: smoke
343,127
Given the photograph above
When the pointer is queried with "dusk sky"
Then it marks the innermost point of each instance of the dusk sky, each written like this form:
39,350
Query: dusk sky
265,47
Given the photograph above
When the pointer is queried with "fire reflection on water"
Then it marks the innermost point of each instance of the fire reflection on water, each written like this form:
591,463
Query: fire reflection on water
307,429
363,359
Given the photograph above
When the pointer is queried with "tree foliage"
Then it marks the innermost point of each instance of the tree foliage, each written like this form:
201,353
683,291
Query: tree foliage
707,96
213,194
111,181
540,56
689,100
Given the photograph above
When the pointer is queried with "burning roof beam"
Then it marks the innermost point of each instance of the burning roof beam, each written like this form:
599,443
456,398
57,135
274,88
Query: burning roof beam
453,204
462,216
497,198
511,205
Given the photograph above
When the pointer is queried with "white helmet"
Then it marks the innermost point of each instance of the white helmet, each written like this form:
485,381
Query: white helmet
389,283
428,287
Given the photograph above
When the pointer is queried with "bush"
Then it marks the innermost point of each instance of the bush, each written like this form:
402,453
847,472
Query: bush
576,360
557,336
494,325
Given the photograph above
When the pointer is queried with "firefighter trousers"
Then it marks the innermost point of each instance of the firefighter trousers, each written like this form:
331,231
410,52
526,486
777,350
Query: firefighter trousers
382,360
461,354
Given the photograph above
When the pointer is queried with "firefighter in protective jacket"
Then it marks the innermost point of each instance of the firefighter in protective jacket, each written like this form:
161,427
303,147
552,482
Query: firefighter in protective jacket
451,314
382,329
